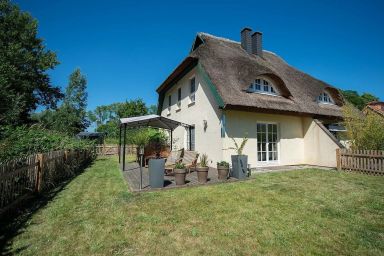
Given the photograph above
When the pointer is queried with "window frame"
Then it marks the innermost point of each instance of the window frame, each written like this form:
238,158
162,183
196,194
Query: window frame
192,94
268,162
260,84
223,131
179,98
323,95
169,104
191,145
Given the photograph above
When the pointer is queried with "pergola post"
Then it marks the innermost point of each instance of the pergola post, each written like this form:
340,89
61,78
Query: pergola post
171,140
125,132
119,143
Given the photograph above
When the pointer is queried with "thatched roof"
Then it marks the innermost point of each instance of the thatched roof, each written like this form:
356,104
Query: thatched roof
231,70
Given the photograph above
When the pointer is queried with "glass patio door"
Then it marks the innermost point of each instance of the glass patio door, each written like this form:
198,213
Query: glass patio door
267,142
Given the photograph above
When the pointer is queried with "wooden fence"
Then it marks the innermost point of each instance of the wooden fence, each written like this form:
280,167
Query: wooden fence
367,161
22,177
109,150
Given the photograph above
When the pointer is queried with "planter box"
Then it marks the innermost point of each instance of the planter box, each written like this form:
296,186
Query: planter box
156,173
239,166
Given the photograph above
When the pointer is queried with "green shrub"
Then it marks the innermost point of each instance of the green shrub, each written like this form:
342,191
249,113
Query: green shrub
179,165
223,164
364,131
22,141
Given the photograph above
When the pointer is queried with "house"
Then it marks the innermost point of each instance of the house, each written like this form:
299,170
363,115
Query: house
226,89
375,107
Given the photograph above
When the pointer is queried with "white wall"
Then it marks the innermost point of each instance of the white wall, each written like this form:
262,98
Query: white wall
290,133
301,140
319,148
205,108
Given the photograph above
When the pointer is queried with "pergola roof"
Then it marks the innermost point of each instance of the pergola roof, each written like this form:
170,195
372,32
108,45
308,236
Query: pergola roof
155,121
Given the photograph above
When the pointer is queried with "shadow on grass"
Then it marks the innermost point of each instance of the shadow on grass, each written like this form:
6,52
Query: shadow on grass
14,221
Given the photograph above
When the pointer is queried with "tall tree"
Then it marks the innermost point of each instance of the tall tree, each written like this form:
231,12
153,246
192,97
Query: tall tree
72,115
107,117
24,82
358,101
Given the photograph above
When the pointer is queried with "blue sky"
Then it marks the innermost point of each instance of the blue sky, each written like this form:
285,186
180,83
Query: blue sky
127,48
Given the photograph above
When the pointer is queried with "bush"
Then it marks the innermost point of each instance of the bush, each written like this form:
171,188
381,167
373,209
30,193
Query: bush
22,141
363,131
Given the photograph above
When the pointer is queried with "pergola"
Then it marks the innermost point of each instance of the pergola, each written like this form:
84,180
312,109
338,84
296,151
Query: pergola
154,121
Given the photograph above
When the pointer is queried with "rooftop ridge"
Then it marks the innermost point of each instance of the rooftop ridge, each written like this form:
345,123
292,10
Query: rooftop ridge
229,40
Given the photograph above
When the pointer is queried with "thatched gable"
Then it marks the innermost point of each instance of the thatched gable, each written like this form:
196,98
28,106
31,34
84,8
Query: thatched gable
231,70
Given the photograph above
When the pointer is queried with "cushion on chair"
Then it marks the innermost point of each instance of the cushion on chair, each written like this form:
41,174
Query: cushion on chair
174,156
189,157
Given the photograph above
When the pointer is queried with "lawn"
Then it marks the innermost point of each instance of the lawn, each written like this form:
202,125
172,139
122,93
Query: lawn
298,212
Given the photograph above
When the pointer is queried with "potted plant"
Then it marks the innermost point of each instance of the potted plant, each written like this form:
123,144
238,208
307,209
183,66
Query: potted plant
222,170
202,169
239,161
140,139
180,173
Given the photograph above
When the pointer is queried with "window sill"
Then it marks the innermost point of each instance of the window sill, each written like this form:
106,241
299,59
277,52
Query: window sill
168,114
178,110
327,103
190,104
261,92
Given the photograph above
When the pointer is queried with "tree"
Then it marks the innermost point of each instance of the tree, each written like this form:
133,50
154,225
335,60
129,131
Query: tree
152,109
363,131
71,117
24,82
107,117
358,101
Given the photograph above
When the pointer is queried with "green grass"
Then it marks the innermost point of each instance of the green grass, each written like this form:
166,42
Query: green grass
297,212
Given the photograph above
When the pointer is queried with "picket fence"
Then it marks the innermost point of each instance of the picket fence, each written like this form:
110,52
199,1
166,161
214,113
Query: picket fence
23,177
366,161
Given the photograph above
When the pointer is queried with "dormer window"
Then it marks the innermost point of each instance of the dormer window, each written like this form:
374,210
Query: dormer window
263,86
324,97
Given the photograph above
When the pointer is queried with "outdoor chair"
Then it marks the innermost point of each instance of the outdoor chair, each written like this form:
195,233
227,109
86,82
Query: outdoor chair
190,160
173,158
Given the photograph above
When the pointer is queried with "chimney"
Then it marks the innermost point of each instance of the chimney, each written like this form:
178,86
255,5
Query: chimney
246,41
257,44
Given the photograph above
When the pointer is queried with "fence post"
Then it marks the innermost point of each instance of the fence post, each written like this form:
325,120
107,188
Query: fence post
338,159
40,170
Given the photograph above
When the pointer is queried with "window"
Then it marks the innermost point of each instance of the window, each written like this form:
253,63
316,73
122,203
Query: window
191,138
169,104
222,126
325,98
192,87
262,86
179,98
266,142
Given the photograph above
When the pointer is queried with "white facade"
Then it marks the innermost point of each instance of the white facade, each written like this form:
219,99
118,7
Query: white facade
299,139
207,140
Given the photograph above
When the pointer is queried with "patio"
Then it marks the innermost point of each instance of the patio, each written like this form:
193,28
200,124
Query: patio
132,176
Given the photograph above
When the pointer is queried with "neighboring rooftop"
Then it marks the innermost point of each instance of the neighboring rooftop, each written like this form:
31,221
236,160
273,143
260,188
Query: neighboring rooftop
376,106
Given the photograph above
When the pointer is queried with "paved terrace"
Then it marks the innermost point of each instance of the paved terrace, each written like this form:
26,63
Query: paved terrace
132,176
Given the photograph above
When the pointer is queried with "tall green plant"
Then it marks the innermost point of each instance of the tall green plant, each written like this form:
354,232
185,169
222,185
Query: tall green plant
239,148
364,131
204,160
